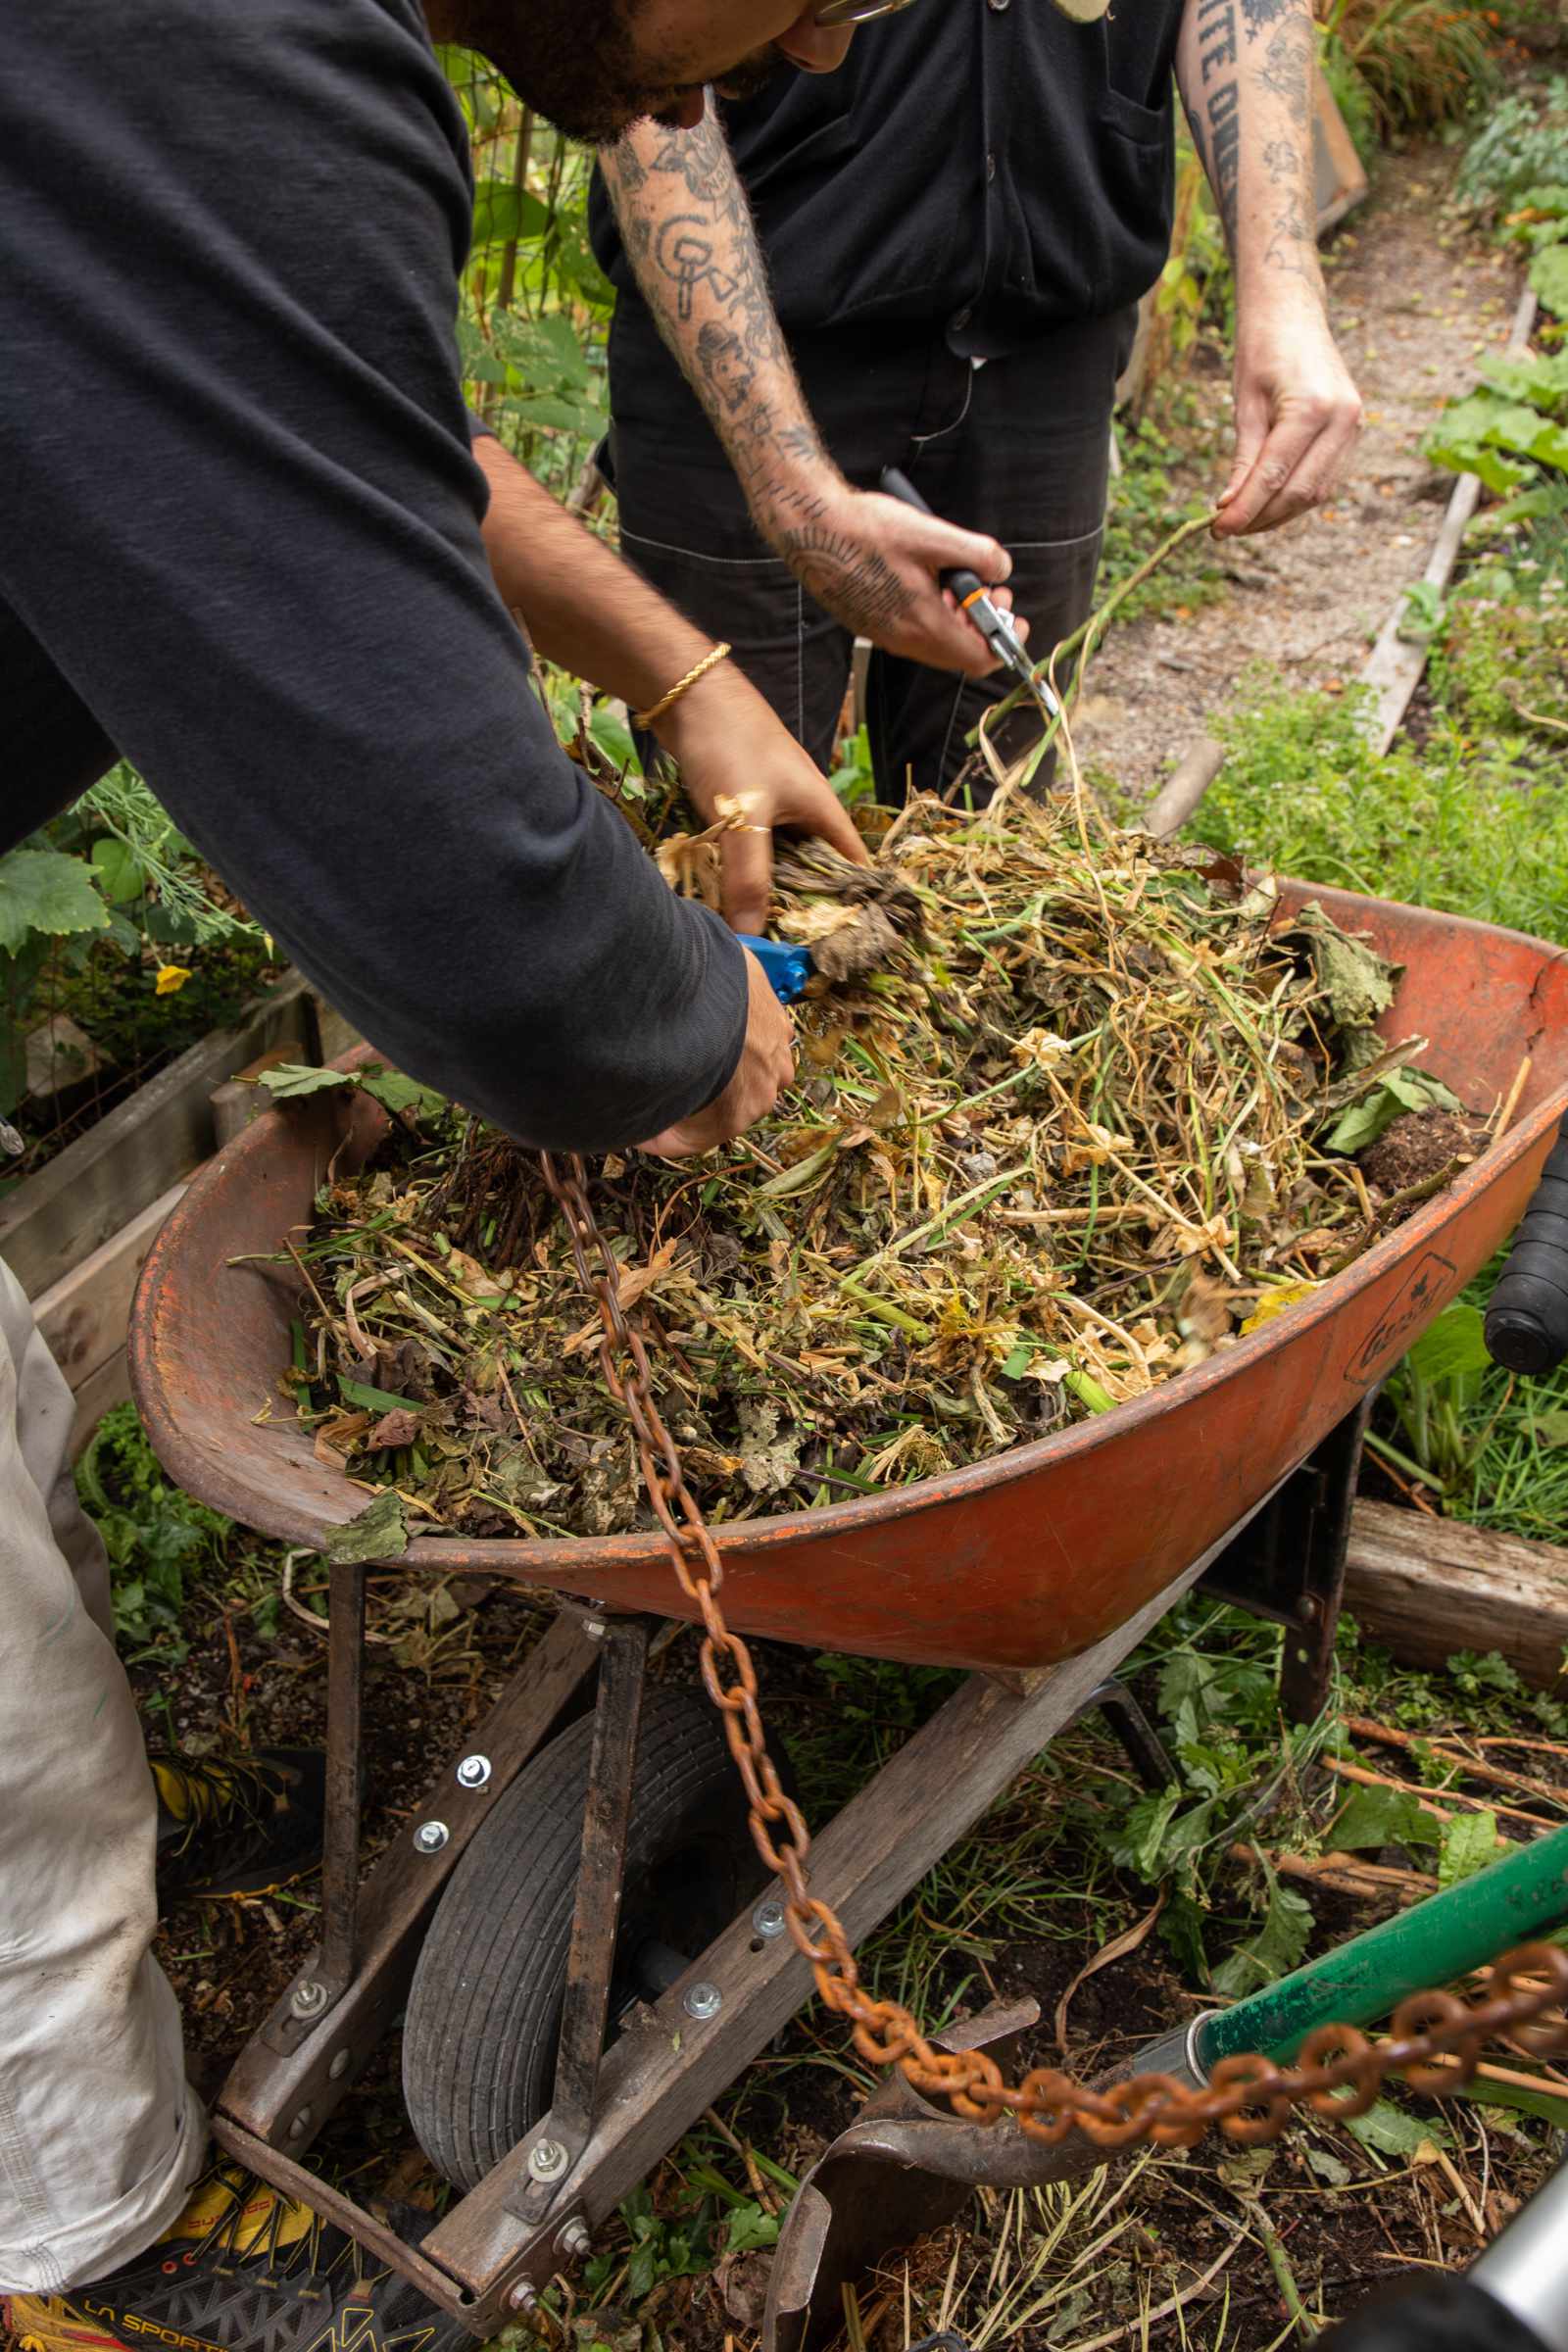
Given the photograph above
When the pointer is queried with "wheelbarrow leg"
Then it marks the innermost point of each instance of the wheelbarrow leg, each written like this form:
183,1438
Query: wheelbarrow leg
340,1844
596,1918
1140,1743
1288,1564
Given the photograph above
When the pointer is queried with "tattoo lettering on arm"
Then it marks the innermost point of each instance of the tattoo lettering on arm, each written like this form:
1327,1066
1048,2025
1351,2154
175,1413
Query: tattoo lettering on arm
1219,140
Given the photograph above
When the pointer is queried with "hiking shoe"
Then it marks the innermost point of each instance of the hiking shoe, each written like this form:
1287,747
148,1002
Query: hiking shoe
237,1825
243,2270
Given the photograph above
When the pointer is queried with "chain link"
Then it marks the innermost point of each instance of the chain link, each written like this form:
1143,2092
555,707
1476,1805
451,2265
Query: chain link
1435,2038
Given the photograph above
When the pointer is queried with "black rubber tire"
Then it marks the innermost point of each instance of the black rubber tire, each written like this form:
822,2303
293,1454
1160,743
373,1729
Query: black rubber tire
484,2010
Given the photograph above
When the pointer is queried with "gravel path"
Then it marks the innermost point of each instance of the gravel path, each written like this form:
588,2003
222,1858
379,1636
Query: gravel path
1415,305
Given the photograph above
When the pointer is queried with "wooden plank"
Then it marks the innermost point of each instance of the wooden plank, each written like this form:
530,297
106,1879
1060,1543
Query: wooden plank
109,1386
130,1157
1338,176
1395,664
84,1316
1427,1587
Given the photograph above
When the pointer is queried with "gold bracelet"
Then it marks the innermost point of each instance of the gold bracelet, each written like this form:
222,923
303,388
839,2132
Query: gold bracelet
700,669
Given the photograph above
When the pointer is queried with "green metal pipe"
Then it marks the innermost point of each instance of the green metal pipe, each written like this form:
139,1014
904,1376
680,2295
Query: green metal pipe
1432,1945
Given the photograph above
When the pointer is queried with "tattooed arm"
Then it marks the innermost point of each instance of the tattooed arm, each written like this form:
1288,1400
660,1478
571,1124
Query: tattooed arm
867,560
1247,70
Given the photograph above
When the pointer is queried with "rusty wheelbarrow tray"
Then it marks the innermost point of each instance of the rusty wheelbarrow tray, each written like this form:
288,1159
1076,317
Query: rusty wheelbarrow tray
1016,1562
1039,1569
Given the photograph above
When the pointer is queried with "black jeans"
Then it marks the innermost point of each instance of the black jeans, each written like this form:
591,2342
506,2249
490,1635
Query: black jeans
1017,447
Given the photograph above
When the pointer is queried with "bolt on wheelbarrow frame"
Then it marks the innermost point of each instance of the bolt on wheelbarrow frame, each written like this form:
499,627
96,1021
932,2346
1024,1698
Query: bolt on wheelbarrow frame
1041,1569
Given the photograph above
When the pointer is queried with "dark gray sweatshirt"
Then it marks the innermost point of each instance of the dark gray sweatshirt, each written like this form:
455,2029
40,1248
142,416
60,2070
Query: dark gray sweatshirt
239,545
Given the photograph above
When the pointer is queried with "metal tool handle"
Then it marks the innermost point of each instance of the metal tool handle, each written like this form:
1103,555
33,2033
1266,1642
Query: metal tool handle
1527,1320
964,582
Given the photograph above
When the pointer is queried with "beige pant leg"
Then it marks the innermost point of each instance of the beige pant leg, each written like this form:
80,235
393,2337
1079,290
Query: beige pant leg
100,2137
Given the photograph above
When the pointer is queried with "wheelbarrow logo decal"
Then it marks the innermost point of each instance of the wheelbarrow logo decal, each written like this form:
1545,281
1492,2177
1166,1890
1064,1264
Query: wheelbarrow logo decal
1430,1283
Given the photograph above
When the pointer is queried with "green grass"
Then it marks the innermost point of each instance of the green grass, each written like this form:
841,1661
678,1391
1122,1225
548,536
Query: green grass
1447,824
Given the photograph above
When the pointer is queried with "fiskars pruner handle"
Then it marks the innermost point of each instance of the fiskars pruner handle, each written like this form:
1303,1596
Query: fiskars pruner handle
964,582
1527,1319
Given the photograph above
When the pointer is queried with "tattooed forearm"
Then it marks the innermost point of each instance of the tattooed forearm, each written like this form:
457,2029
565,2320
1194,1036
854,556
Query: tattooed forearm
689,235
1245,71
1213,108
1288,65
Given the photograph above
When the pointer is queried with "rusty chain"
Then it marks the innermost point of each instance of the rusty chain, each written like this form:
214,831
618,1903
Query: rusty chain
1435,2038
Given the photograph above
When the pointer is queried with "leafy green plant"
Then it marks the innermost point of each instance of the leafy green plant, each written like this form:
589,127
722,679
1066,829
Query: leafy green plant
288,1080
113,873
535,304
156,1536
1510,428
1519,146
1434,1393
1449,824
1421,62
1425,610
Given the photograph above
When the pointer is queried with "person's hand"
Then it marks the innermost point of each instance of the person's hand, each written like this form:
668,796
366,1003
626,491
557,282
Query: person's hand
765,1068
728,741
1298,414
873,563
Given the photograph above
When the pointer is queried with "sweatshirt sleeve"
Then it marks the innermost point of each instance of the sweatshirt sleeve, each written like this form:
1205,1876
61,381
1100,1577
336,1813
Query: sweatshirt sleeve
242,518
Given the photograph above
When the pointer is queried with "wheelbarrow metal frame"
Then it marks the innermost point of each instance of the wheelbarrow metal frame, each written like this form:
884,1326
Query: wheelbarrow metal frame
667,2066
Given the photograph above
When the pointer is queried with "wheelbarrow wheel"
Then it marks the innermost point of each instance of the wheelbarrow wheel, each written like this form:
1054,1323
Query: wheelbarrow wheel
484,2010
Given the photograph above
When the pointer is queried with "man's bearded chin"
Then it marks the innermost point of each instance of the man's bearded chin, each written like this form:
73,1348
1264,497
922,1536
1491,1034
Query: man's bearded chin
571,61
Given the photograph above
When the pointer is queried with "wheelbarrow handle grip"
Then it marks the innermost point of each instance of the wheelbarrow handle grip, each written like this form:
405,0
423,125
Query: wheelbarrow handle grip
1527,1319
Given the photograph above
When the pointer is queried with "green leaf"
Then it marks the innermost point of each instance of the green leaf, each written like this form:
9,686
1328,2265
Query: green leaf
1357,981
1364,1121
749,2226
1453,1348
395,1091
44,889
1140,1844
1549,276
559,415
120,873
380,1532
1017,1363
612,736
1469,1843
290,1078
1274,1950
1540,380
1391,2133
1551,1429
1378,1817
502,211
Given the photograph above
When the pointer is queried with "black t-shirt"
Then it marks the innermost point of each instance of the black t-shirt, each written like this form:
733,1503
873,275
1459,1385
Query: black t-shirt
984,163
239,545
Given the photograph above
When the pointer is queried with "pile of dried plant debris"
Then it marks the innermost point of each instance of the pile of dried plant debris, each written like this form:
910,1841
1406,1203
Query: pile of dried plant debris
1069,1118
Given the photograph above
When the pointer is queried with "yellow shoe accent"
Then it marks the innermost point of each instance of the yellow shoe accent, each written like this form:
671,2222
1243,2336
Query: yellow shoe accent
212,2206
49,2324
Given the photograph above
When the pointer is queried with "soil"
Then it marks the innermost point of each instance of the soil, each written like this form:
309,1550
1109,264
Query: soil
1419,1145
1414,302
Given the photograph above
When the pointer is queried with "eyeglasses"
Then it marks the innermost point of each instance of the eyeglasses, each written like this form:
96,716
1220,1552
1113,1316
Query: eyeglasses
857,12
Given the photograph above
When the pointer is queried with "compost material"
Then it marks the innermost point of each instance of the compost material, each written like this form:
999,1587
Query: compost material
1070,1119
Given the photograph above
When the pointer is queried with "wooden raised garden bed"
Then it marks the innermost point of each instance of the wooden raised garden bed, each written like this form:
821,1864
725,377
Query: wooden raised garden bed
77,1232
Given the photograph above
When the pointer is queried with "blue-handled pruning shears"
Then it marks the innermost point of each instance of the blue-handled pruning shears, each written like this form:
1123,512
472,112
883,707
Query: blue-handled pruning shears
788,967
